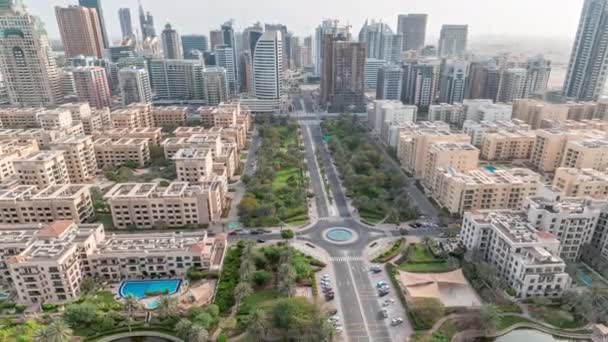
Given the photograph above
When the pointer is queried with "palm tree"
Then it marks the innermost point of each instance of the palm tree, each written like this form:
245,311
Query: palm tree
257,325
287,279
198,334
167,307
130,307
57,331
242,291
183,327
490,318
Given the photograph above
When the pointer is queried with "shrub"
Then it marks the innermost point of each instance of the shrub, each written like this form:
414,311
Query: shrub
287,234
261,278
425,312
229,277
47,307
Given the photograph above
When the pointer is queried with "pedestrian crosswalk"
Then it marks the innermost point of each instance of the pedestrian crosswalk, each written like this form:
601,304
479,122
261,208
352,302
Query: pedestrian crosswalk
346,258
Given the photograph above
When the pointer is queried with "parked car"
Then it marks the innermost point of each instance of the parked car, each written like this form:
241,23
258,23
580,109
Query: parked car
396,321
234,232
376,269
384,313
261,240
388,302
329,296
381,284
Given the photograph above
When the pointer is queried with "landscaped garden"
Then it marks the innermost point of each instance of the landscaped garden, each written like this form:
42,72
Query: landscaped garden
419,258
263,283
277,193
375,188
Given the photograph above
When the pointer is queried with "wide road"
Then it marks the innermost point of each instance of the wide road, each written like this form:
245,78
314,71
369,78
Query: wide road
315,175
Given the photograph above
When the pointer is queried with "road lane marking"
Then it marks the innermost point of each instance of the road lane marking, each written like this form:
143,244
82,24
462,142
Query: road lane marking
330,207
352,277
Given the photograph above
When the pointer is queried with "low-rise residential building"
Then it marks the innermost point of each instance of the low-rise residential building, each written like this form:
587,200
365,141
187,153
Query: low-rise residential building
134,115
42,137
170,116
111,153
226,115
54,119
212,141
235,134
586,154
506,146
477,129
384,113
574,182
483,188
571,219
16,117
550,145
396,130
48,264
536,112
460,157
12,149
526,258
485,110
79,156
193,164
148,205
42,168
27,204
154,134
414,145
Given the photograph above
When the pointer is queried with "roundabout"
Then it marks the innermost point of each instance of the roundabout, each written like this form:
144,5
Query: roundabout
340,235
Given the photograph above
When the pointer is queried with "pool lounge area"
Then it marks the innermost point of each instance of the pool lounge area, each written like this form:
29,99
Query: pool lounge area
140,288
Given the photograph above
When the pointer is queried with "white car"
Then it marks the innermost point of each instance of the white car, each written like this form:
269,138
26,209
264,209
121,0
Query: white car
334,318
388,302
396,321
339,329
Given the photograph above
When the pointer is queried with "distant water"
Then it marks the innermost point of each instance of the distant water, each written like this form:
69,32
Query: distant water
529,335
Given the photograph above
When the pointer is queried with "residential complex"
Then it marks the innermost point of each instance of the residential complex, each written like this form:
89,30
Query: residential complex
525,257
504,146
112,153
581,182
42,168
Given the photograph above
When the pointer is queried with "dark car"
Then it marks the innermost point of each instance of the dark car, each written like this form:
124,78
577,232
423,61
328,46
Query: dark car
255,232
234,232
329,296
261,240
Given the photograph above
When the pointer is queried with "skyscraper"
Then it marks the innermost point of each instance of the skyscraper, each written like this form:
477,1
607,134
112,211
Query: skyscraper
215,85
420,82
268,66
453,40
146,21
513,85
372,66
172,47
126,27
343,77
96,4
134,84
251,35
453,81
27,64
80,31
586,74
177,79
224,58
92,86
413,29
308,54
537,76
192,44
381,42
246,72
327,27
390,82
215,38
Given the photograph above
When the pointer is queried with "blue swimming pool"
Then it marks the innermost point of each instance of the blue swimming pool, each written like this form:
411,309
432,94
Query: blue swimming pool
138,288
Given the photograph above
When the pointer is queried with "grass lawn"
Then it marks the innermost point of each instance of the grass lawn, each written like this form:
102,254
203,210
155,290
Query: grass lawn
555,316
106,219
258,299
508,320
421,260
280,179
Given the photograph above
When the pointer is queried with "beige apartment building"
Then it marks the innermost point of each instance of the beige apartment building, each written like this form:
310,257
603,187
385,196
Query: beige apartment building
17,117
148,205
134,115
586,154
535,112
525,257
573,182
461,157
93,120
48,264
154,134
193,164
550,145
79,155
12,149
413,147
27,204
226,115
171,116
112,153
43,137
484,188
581,110
211,141
236,134
54,119
507,145
42,168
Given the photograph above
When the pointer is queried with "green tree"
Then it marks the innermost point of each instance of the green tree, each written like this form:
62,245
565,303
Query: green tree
257,326
131,305
242,291
57,331
182,328
197,334
286,279
167,307
77,314
489,317
261,278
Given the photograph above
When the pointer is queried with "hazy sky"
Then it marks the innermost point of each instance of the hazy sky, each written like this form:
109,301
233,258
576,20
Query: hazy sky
542,18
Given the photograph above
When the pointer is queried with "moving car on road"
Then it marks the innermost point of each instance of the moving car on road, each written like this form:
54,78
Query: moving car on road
384,313
396,321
